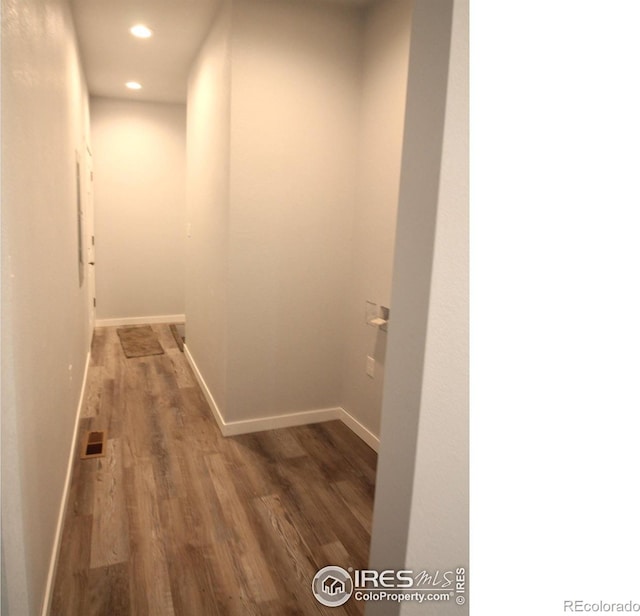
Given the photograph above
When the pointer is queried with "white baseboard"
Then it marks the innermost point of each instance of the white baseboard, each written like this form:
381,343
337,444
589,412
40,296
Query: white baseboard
357,428
163,318
205,390
233,428
273,422
48,595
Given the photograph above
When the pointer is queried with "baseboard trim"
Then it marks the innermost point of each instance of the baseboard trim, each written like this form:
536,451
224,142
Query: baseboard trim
357,428
163,318
302,418
48,595
273,422
205,390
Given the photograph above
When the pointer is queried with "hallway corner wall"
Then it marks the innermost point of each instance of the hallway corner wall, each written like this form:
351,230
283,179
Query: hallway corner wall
272,142
45,317
208,135
139,151
294,128
385,58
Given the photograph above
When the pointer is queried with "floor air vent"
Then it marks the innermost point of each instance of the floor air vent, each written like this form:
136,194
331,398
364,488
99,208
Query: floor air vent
95,444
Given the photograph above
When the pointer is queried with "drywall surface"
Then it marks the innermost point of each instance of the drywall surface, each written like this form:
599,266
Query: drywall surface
45,337
422,473
139,167
208,125
386,35
294,119
439,520
295,124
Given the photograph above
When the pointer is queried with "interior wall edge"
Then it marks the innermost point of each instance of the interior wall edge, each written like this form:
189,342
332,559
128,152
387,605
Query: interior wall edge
403,407
215,410
385,33
207,202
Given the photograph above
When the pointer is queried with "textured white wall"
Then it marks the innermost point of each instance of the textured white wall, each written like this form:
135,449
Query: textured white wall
421,505
439,519
208,126
45,337
387,29
139,164
294,122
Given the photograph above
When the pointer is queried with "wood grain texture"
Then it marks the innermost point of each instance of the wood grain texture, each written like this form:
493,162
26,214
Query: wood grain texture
109,590
148,562
178,520
110,530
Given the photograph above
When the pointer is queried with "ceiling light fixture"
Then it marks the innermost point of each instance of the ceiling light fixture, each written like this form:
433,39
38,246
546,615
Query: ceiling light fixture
133,85
141,31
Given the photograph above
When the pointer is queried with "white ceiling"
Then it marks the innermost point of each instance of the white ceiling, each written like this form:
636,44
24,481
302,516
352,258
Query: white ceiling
111,56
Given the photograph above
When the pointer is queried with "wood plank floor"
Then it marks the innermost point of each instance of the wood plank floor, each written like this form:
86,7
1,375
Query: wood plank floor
176,519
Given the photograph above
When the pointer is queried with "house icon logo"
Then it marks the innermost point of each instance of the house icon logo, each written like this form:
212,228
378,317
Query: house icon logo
332,586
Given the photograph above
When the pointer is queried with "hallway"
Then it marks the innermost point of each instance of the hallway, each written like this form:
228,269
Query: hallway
304,171
177,519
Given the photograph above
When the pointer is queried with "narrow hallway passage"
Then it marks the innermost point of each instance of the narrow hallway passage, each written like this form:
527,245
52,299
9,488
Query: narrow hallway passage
176,519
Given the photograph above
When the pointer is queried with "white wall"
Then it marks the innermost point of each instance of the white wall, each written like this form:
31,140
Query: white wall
386,35
439,519
296,114
272,177
208,126
294,120
45,337
421,505
139,164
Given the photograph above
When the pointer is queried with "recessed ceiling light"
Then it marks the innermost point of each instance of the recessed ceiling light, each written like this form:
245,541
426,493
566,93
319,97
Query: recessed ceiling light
141,31
133,85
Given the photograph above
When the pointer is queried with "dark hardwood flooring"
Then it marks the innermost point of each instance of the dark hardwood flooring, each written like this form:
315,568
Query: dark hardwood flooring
176,519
